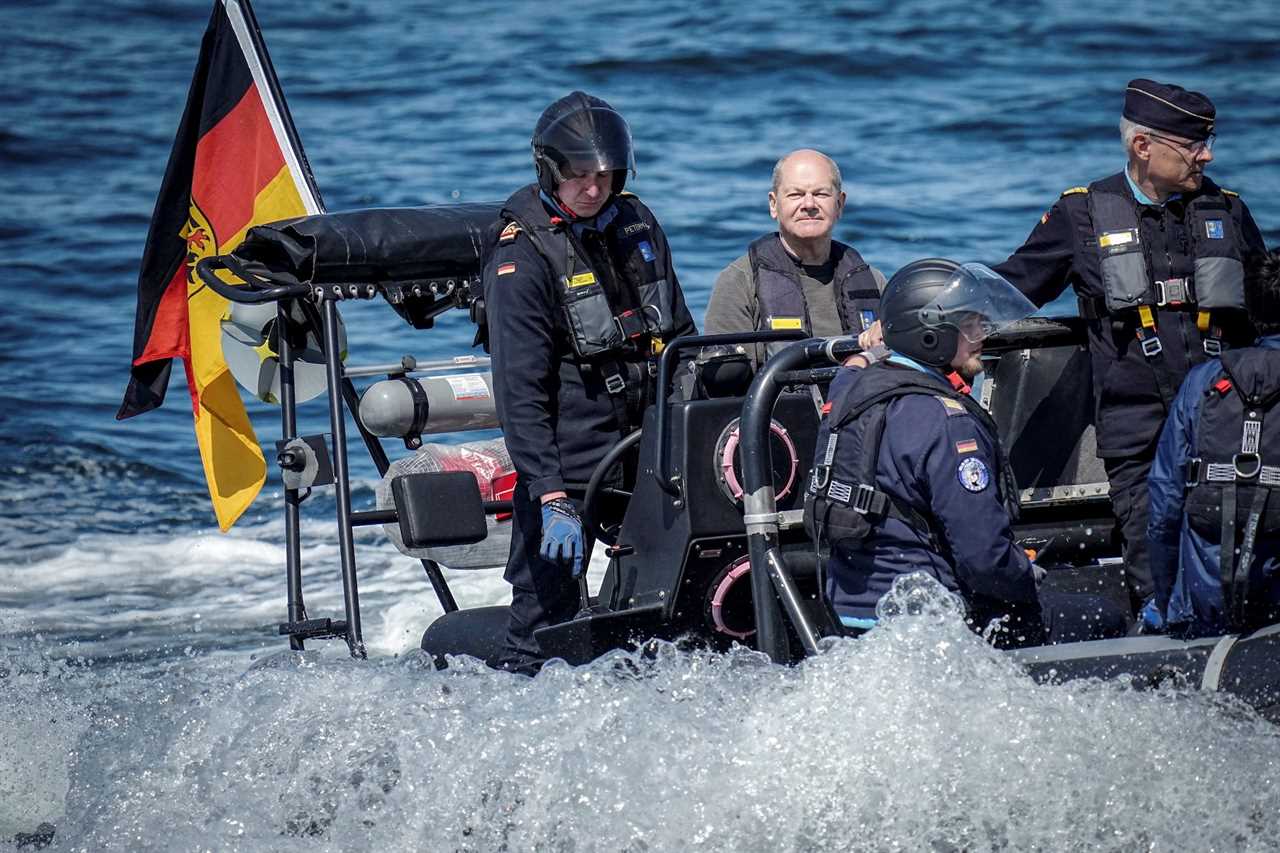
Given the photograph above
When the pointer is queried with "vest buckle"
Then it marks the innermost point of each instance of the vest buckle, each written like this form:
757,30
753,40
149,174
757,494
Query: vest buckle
1247,465
1191,475
630,324
614,383
1213,346
863,499
1151,347
1173,291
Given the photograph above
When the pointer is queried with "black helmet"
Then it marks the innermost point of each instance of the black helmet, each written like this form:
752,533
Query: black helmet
929,303
582,133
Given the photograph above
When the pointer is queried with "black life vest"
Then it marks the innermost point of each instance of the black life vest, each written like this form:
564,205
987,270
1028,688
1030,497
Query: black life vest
1230,483
843,502
618,300
781,298
1216,246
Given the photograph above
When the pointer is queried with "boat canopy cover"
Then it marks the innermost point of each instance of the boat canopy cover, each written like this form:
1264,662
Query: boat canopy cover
395,244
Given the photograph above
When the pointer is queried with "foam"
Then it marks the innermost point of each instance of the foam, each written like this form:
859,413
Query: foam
917,736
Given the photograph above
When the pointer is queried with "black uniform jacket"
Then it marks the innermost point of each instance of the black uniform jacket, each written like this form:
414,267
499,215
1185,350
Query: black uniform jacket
1062,252
557,419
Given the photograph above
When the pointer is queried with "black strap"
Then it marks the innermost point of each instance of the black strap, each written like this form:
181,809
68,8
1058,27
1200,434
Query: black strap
421,412
621,389
1241,581
1227,549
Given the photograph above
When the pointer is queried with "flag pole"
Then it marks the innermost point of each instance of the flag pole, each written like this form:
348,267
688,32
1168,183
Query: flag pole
245,25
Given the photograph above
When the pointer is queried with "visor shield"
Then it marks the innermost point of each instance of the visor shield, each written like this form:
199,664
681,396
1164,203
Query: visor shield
595,139
979,302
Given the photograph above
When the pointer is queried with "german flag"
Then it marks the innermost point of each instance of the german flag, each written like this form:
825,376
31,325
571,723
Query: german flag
236,162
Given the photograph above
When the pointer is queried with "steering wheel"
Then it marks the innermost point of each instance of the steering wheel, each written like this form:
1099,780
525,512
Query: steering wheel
597,491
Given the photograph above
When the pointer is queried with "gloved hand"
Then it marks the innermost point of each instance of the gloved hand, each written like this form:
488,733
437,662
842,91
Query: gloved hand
1038,572
1150,619
562,534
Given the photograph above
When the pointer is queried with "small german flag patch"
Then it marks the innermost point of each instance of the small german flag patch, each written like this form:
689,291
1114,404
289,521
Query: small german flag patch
967,446
506,269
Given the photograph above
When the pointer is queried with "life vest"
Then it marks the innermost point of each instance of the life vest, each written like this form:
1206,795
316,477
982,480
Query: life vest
781,298
1216,249
598,329
843,502
1230,481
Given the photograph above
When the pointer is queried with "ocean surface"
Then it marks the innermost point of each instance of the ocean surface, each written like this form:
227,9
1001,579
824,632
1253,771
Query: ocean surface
145,702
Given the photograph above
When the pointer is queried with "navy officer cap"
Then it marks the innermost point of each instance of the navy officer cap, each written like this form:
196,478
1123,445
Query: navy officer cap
1173,109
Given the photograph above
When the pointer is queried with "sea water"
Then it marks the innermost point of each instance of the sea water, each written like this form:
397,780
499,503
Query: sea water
146,702
917,736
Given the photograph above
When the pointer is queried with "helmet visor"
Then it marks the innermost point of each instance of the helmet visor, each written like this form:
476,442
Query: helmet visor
979,302
595,139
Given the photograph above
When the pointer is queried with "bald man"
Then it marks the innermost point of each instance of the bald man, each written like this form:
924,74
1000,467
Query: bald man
798,277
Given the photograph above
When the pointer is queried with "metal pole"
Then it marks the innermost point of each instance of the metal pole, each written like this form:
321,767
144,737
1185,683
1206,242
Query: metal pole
769,576
292,504
342,483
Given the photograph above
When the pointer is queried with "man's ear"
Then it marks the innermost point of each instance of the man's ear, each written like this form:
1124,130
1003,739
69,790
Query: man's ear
773,205
1140,148
840,204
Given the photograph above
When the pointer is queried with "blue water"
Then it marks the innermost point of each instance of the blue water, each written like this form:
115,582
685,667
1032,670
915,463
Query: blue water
128,624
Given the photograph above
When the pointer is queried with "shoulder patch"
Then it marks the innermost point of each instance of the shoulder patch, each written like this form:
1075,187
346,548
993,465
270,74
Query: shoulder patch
509,233
628,194
1075,191
973,474
1231,193
950,406
506,269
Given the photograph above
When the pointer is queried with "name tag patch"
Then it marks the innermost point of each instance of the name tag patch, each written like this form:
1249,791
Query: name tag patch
1118,238
785,323
973,474
1213,229
582,279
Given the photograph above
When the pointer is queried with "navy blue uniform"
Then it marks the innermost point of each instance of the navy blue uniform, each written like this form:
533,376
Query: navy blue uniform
1186,563
558,416
939,464
1131,390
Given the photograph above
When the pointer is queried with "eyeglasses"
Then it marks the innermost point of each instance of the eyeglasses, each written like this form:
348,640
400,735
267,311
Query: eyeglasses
1195,149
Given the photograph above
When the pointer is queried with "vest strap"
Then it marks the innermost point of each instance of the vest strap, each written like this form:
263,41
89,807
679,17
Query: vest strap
1227,551
1246,466
1199,472
1240,584
877,506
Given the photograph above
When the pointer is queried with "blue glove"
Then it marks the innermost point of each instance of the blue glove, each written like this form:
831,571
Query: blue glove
562,534
1151,620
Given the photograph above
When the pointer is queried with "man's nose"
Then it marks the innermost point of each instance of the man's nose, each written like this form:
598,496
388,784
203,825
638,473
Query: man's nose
1205,156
